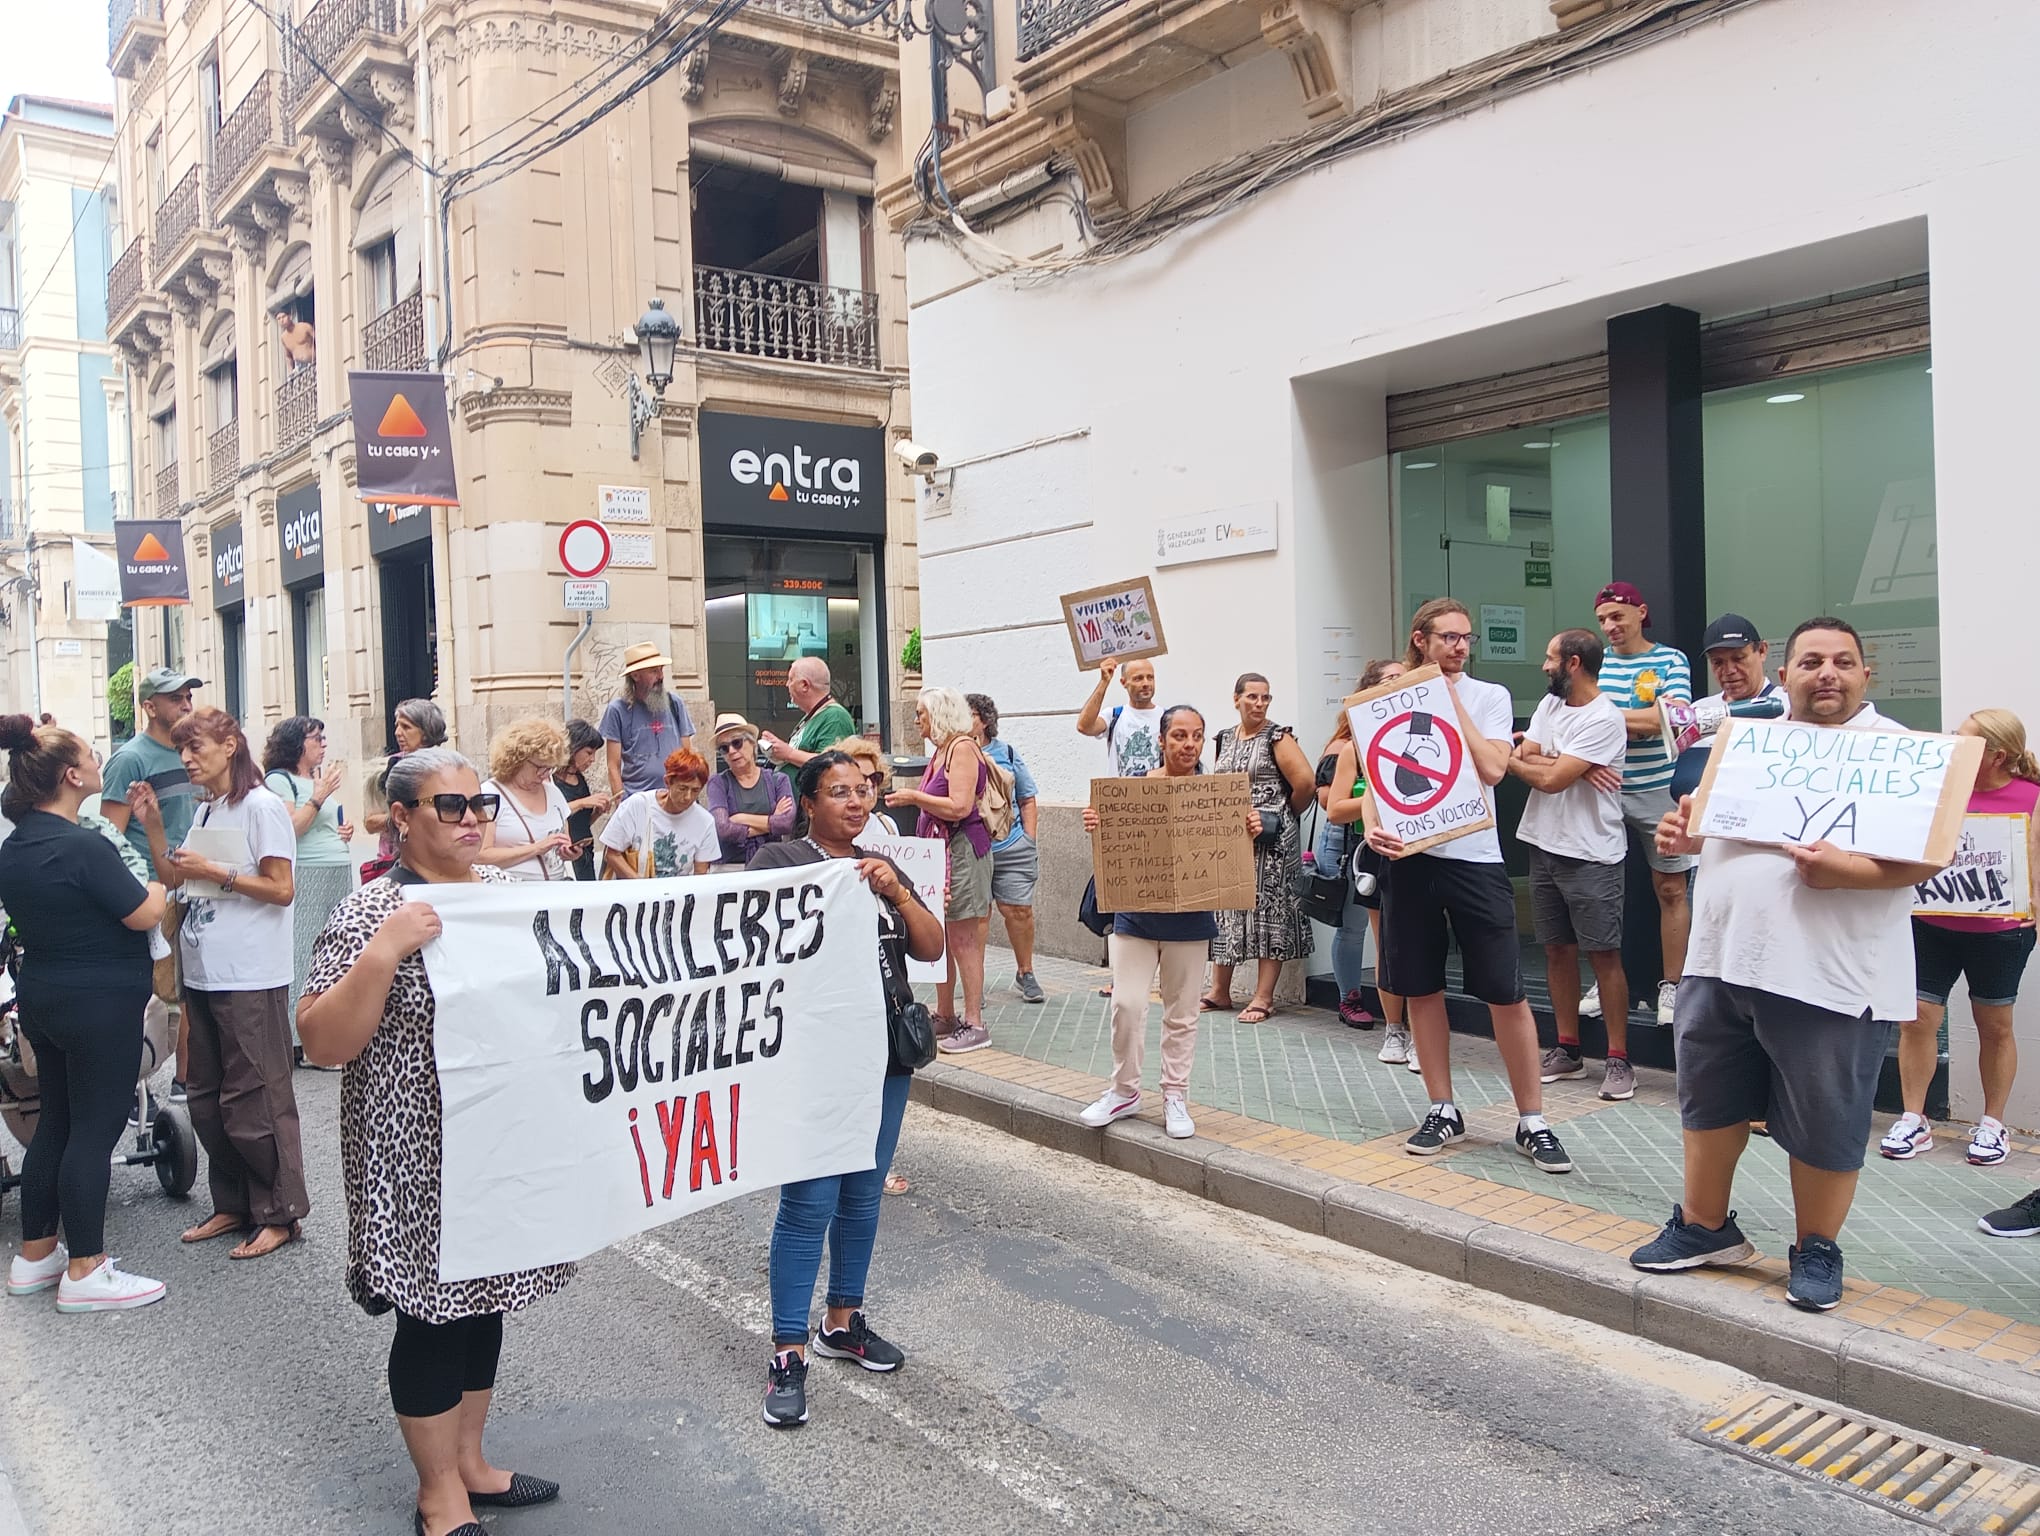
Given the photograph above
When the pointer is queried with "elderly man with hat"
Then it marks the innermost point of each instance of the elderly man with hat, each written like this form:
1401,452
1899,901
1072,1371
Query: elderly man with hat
643,725
752,804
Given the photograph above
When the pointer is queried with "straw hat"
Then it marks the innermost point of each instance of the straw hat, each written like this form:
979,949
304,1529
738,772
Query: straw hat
733,724
639,657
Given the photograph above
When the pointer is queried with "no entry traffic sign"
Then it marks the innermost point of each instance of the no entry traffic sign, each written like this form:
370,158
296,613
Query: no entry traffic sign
584,548
1413,762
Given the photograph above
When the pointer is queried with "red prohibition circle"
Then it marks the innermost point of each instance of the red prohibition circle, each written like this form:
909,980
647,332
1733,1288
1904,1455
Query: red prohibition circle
1379,780
584,548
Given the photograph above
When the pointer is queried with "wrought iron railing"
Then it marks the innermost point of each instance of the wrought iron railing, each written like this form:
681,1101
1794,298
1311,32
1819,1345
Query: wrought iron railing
121,14
223,457
801,10
1044,23
10,329
315,44
11,532
125,277
178,217
166,491
785,317
394,341
297,408
255,126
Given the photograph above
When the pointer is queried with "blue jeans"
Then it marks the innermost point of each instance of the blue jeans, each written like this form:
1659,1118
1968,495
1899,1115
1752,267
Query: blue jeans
1349,940
843,1206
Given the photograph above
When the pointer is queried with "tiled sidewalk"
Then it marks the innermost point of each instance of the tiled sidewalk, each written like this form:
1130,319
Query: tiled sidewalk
1306,1088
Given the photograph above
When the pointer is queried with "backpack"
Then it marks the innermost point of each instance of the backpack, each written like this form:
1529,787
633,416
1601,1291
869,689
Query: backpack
995,801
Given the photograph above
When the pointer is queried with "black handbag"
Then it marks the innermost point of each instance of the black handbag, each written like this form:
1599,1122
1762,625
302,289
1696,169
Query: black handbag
909,1031
1100,923
1323,893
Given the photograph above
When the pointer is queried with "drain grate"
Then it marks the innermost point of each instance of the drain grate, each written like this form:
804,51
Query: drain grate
1952,1488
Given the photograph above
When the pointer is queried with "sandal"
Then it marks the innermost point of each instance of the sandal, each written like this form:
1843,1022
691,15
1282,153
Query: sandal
896,1184
219,1224
249,1250
1214,1005
1256,1013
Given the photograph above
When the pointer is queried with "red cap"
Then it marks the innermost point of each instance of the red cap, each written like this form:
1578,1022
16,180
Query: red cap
1622,592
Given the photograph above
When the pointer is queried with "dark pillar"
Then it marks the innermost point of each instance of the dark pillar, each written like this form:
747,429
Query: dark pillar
1658,493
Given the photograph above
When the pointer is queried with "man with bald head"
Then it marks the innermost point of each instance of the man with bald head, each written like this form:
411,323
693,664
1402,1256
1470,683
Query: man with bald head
823,722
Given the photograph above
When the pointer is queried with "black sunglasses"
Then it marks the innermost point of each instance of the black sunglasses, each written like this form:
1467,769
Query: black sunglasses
451,808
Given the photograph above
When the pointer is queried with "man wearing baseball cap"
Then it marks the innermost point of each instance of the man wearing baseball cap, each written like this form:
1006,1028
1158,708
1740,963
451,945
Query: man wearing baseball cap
1635,676
1736,655
165,696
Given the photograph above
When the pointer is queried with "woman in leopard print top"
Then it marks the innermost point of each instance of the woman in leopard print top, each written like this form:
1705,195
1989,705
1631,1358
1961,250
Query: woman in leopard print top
368,1006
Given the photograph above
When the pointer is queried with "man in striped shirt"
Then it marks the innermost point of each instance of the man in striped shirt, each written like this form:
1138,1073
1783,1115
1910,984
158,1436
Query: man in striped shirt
1635,676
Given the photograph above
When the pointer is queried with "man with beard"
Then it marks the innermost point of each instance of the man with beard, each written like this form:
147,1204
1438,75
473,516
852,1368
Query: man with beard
149,758
1571,757
643,725
1800,967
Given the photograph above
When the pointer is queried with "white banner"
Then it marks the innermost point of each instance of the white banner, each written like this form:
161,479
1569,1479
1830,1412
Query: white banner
95,584
612,1057
925,861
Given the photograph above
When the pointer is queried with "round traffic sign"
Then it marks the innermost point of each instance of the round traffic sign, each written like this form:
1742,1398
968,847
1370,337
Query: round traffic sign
1418,771
584,548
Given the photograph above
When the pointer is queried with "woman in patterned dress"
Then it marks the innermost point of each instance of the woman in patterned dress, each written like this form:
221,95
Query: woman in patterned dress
1280,784
368,1006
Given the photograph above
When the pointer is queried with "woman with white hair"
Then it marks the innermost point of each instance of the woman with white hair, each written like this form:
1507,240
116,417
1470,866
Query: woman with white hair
947,800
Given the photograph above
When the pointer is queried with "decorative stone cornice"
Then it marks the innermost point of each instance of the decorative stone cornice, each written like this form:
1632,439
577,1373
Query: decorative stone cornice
694,74
1318,39
293,190
363,127
250,240
793,79
1091,134
546,407
393,89
272,218
882,104
332,155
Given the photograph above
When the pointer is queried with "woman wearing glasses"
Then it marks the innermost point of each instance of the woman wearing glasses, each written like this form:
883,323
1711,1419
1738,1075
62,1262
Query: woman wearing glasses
368,1006
658,832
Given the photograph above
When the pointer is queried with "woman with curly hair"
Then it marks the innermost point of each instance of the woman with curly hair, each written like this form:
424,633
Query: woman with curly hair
529,838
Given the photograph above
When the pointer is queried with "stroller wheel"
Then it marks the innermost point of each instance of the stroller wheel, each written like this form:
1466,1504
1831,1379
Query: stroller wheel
176,1151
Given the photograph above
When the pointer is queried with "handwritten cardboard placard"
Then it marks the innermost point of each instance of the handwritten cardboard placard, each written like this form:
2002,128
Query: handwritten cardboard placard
1424,783
1115,623
1991,876
1173,845
1891,794
925,861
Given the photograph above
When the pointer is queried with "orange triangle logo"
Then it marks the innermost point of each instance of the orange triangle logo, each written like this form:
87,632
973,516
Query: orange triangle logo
400,420
151,548
778,492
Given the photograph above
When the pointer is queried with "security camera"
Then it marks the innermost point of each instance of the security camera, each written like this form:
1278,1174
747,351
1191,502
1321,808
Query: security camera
919,460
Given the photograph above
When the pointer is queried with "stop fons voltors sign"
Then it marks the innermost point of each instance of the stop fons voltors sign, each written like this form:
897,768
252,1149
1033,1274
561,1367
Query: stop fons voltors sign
1425,786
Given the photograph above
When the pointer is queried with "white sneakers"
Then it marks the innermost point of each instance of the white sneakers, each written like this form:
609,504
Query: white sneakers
1110,1107
1590,1003
25,1277
1395,1046
1987,1148
1908,1137
1667,1000
1176,1116
108,1289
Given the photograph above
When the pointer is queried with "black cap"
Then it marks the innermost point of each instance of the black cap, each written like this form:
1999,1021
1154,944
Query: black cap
1730,632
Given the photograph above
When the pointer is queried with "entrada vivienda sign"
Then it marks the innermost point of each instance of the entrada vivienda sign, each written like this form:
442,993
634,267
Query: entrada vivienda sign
403,439
785,475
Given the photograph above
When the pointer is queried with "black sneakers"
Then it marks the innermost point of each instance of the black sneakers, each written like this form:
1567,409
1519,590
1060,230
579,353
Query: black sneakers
1687,1245
1816,1282
1438,1130
857,1342
2019,1219
1542,1147
786,1390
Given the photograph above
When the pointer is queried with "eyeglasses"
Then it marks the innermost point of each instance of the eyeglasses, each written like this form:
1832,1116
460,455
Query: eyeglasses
848,792
451,808
1453,636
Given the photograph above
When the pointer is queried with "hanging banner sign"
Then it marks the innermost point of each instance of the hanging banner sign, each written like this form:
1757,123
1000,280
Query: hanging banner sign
1425,784
1116,623
95,584
150,553
608,1063
1992,875
403,439
1891,794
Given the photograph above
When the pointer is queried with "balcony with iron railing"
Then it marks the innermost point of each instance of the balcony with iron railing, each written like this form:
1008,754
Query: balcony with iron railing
788,318
394,341
179,217
10,329
254,145
134,31
222,458
297,408
11,532
124,281
166,491
340,41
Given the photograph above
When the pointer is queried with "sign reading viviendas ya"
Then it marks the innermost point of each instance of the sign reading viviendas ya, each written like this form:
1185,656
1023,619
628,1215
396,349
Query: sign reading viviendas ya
1173,845
608,1062
1119,622
1896,795
1424,783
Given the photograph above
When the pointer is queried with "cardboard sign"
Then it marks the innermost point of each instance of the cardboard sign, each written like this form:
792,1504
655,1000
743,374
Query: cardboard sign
1424,783
1116,623
925,861
1890,794
1173,845
1991,876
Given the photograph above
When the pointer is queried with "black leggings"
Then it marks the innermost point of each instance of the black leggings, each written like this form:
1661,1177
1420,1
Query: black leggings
88,1056
432,1364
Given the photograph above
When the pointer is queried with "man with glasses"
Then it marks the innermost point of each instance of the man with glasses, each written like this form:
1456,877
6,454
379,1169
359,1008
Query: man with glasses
1464,882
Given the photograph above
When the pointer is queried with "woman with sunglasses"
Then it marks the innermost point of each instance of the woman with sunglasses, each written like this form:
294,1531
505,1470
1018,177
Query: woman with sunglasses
659,832
368,1006
877,774
844,1207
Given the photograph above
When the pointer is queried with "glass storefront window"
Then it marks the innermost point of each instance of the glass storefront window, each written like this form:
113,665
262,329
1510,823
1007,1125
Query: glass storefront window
1820,500
773,601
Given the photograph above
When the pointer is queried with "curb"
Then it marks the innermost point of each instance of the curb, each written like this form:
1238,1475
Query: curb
1927,1387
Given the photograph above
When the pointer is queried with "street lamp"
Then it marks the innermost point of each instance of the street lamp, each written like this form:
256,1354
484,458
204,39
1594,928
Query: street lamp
658,335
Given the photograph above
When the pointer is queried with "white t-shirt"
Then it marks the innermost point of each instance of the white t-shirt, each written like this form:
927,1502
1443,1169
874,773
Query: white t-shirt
677,842
1580,821
1133,742
235,943
517,823
1493,714
1757,924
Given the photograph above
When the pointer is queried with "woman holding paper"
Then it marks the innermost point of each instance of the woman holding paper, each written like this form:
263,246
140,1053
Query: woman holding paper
368,1006
235,876
1175,943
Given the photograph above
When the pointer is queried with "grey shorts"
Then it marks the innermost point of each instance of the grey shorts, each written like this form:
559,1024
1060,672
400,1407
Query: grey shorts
1575,901
970,881
1643,809
1750,1055
1014,871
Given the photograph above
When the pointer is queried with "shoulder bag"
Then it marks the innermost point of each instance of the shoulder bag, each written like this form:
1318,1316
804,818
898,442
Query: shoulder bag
909,1031
550,864
1322,893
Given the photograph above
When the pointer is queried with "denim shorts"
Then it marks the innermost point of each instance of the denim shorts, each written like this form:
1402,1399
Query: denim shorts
1992,962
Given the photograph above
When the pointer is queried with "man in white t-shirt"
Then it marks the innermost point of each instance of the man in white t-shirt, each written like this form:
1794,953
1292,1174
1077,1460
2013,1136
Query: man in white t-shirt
1800,967
1133,730
1462,882
1571,757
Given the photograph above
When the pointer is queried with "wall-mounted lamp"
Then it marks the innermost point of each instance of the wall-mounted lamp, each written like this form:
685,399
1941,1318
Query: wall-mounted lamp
658,335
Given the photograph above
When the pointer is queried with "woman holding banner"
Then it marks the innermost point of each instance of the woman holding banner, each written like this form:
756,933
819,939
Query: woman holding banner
837,803
368,1006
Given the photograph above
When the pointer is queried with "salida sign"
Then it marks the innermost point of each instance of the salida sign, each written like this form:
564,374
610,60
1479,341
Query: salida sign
777,472
403,439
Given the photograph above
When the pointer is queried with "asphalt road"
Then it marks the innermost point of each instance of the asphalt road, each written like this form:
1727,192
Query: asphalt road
1085,1349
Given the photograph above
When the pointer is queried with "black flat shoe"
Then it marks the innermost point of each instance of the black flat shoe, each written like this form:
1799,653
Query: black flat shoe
522,1493
472,1528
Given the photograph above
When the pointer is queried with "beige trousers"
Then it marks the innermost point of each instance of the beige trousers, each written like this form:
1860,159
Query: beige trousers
1134,963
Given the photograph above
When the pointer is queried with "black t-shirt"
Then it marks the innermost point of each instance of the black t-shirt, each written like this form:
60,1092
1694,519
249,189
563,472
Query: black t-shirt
580,824
67,889
892,930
